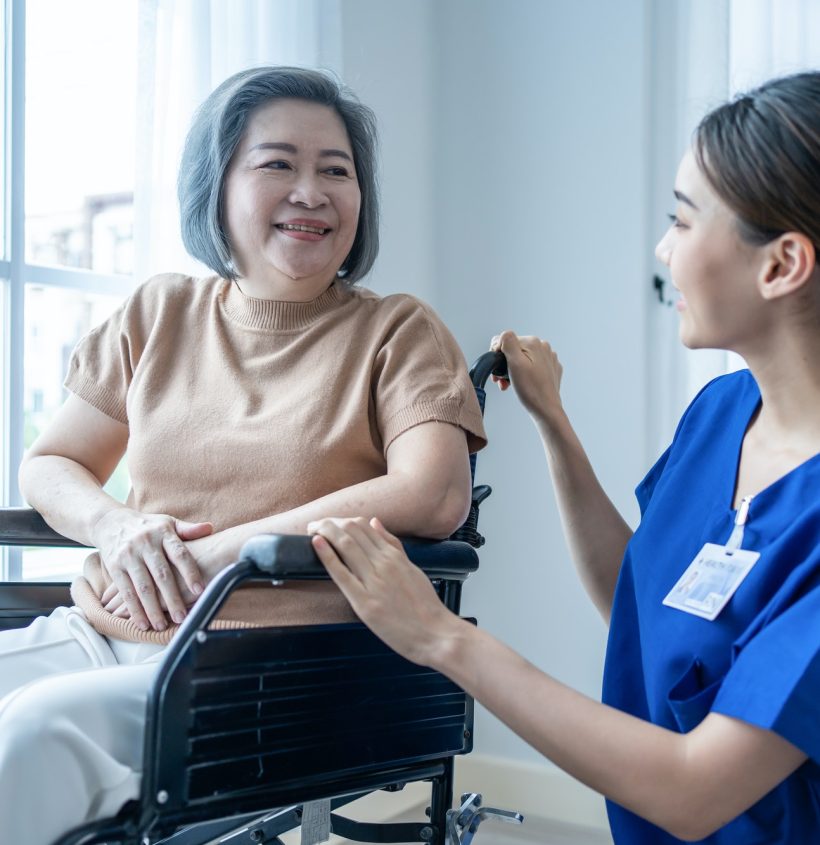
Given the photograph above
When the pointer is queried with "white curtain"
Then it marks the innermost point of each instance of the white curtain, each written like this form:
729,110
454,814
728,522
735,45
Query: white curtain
186,48
717,48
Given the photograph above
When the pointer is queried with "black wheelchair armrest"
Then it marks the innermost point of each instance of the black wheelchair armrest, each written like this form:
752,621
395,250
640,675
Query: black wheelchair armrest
25,527
284,557
290,556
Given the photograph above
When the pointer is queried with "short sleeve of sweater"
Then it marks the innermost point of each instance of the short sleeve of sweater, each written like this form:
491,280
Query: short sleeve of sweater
103,362
420,375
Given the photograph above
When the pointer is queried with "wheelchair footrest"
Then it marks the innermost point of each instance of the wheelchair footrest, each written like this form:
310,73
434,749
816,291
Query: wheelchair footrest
463,823
383,832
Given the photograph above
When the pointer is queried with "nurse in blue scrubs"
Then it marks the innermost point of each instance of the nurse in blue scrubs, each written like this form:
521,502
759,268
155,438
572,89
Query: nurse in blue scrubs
710,726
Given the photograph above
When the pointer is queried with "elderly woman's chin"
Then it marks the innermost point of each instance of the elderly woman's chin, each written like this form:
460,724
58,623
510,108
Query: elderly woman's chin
289,280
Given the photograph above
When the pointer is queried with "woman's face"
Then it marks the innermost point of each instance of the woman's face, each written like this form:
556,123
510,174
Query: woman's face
713,268
291,201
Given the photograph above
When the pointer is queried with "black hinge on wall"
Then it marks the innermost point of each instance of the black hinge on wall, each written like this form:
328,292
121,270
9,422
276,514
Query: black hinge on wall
659,284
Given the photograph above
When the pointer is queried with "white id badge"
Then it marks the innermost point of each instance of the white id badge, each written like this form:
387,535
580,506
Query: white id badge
710,580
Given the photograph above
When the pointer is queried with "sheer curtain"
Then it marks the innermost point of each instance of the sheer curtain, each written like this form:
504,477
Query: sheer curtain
186,48
706,51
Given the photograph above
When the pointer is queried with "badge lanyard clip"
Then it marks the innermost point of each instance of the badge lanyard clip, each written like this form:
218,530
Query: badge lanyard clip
736,538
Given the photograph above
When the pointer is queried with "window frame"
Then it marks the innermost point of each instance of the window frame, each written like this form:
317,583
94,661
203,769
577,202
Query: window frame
16,272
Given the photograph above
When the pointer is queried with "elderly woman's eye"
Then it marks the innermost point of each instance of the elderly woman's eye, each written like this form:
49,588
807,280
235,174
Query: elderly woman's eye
337,171
277,164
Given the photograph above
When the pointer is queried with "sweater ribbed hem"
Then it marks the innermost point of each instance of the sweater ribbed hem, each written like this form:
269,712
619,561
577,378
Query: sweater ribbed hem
96,395
275,315
449,410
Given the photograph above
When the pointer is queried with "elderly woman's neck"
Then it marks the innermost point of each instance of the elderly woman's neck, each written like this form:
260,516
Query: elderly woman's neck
284,290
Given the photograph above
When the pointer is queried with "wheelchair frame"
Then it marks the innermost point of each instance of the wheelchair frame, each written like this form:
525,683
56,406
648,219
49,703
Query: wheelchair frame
246,727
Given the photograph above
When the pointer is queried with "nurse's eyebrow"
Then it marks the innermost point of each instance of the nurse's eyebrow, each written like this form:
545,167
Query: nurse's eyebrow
681,197
290,148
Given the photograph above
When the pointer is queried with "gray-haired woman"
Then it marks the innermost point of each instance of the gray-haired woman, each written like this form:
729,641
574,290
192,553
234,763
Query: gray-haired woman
256,400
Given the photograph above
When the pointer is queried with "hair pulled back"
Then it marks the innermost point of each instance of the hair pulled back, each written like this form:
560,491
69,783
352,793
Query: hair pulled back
761,154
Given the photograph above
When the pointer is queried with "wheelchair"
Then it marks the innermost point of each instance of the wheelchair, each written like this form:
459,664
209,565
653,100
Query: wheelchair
251,733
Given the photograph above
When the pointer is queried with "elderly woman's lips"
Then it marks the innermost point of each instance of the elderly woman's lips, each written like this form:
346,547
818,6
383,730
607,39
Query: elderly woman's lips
307,228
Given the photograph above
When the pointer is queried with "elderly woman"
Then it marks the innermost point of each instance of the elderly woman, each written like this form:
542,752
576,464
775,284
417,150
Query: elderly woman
268,395
710,726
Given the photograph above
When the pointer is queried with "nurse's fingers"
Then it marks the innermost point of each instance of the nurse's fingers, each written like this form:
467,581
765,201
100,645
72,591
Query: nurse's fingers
349,541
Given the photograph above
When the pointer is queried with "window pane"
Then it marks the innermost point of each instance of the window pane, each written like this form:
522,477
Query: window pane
3,54
56,318
53,564
81,66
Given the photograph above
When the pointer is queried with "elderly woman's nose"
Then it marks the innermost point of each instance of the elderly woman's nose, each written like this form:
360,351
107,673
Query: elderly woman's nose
307,191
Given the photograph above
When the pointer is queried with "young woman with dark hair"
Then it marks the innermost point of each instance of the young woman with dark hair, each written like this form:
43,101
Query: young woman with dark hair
709,728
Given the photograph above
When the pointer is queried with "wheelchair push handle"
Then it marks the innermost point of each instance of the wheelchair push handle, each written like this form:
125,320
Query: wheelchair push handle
486,365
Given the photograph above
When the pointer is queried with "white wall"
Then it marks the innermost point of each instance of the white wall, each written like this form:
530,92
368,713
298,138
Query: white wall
515,163
388,59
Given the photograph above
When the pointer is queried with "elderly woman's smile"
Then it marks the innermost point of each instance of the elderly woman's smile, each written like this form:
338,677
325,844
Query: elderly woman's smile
292,200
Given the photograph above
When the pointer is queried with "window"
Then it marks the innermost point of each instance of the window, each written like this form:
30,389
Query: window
96,98
67,234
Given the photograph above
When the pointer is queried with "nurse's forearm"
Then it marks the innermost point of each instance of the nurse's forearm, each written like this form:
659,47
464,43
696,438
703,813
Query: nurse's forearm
596,533
689,784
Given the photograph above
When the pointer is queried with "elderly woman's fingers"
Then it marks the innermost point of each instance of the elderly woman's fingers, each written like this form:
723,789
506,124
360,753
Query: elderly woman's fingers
179,554
144,597
128,593
114,603
165,580
109,593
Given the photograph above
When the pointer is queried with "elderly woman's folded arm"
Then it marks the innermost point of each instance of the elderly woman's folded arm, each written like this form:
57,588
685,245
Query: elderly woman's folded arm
424,493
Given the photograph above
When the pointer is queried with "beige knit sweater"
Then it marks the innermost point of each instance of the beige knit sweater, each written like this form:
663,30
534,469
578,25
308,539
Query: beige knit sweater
241,408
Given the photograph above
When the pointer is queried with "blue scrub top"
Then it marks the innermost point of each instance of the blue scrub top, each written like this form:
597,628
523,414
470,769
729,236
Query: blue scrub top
759,660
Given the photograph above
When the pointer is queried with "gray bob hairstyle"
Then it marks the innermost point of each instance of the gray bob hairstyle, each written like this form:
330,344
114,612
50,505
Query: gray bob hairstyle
215,133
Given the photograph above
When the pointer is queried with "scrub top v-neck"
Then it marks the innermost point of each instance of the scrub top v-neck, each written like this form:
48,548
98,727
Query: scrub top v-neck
759,659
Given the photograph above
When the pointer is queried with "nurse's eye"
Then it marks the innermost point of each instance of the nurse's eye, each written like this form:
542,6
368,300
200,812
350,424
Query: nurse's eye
677,223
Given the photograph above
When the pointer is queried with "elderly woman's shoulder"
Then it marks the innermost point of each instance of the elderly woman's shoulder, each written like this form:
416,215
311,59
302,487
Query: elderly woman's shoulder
165,285
397,304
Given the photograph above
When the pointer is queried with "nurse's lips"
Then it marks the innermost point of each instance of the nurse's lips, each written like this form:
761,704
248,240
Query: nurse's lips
303,229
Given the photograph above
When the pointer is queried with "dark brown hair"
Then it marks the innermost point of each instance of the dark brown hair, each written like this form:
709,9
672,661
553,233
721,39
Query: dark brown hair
761,154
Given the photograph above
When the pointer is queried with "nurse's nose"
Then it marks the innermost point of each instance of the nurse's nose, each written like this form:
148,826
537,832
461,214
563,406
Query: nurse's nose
663,251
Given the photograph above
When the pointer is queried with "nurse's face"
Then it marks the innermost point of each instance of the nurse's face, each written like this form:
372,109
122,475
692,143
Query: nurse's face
714,270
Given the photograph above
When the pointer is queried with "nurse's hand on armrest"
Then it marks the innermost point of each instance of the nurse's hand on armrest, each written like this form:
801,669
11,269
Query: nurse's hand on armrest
386,591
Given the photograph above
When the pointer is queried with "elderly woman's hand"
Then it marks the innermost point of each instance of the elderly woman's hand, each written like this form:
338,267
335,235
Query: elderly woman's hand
535,373
145,556
386,591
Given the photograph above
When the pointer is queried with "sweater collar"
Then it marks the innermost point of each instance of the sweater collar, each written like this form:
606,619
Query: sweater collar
276,315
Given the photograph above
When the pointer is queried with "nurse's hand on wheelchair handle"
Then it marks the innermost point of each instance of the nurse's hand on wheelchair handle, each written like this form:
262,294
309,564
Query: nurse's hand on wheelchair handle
535,373
144,555
394,598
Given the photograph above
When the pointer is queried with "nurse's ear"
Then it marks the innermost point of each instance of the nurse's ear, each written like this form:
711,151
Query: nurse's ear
789,263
